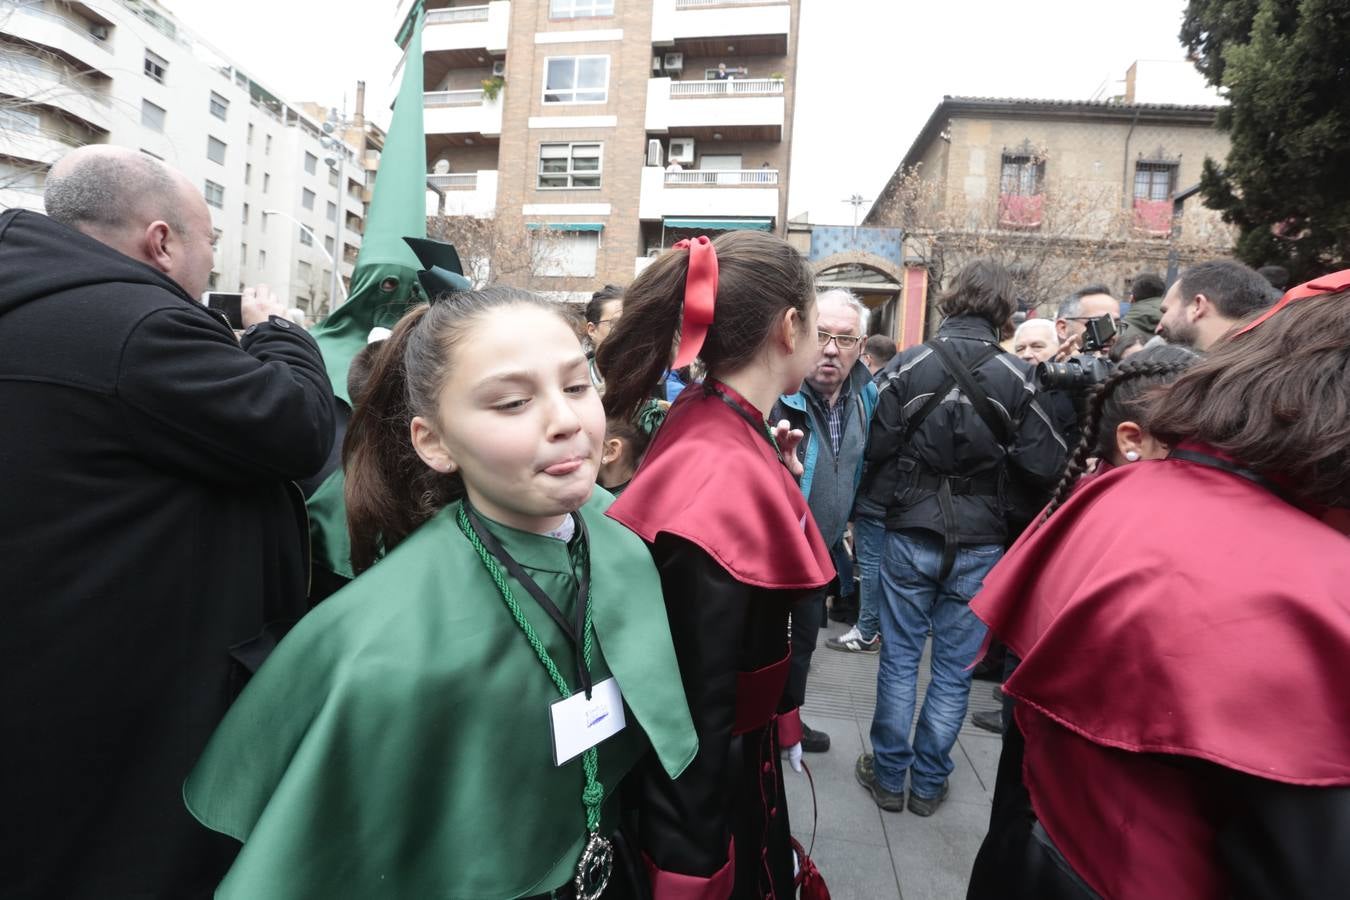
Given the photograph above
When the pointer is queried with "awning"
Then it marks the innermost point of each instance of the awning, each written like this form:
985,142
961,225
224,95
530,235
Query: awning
566,226
720,224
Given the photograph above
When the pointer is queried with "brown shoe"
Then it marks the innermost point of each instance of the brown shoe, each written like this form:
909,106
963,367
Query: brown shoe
891,801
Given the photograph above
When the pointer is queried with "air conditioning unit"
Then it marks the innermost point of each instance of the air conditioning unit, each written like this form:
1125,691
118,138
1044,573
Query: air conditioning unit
499,68
99,31
654,153
682,150
674,62
656,65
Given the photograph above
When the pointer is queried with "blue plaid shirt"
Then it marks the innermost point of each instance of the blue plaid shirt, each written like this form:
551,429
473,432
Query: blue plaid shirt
835,416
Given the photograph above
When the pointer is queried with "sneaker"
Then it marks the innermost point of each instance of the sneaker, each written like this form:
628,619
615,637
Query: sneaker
814,741
851,641
891,801
926,806
989,720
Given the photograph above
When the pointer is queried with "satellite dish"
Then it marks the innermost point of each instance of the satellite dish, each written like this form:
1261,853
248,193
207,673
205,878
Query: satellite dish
327,127
442,167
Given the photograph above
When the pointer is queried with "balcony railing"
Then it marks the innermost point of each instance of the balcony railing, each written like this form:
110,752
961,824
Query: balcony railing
457,14
80,28
721,177
731,87
704,4
454,181
473,97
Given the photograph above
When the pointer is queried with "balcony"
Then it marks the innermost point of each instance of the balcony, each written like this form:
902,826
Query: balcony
751,109
701,27
1153,217
42,83
39,146
463,194
718,193
70,36
468,28
462,112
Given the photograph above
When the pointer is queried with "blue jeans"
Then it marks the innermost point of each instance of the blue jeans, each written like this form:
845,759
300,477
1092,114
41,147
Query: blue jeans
869,537
915,600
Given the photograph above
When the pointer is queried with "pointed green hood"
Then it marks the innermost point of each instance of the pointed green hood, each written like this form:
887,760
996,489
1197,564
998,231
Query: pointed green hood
397,211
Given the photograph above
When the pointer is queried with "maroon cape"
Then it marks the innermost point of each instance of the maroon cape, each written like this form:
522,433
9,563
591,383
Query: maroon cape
711,479
1170,609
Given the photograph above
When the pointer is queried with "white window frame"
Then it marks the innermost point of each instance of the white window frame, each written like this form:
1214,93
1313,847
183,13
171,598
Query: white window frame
155,66
306,236
311,163
572,173
553,261
573,91
331,211
570,9
211,141
218,192
307,198
163,114
219,106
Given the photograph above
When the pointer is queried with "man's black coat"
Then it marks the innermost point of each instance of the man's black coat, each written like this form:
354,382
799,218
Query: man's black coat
151,545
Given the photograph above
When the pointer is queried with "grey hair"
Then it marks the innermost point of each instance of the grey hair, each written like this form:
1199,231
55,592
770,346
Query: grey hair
1039,323
107,191
1072,306
851,300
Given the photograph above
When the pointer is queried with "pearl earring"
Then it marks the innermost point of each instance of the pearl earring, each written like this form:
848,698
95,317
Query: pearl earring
1131,456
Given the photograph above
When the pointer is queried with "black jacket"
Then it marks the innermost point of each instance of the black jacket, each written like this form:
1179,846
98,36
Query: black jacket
149,531
954,441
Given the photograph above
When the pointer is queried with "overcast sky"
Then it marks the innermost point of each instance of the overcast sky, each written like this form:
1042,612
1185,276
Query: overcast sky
870,71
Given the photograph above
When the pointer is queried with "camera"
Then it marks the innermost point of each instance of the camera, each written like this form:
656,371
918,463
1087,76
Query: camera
1075,375
1098,332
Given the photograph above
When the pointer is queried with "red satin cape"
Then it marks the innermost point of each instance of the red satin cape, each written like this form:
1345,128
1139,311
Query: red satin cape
709,478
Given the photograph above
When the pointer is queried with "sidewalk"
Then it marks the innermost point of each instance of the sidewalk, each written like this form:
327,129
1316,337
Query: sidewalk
865,853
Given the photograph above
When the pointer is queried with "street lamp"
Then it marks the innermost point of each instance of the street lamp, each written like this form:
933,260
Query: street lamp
332,304
336,160
857,202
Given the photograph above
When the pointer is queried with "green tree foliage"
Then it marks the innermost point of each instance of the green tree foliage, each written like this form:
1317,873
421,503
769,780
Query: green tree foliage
1286,71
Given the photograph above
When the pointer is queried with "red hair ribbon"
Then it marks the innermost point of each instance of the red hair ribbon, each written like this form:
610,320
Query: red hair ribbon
1327,284
700,297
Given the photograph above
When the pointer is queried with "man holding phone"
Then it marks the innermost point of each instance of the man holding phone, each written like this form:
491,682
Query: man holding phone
152,548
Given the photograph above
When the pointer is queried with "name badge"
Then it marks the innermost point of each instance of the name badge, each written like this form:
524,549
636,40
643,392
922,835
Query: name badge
579,724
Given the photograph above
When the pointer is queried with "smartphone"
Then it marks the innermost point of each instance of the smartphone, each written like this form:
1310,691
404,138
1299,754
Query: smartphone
1098,333
229,303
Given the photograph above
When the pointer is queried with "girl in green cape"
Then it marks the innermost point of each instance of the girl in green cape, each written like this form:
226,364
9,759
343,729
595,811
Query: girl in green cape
455,722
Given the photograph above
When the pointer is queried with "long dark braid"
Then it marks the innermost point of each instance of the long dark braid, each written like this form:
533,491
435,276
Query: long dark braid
1120,398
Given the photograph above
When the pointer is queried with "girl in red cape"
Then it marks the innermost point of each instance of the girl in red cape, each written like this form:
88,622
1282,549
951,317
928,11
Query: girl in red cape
1183,626
733,540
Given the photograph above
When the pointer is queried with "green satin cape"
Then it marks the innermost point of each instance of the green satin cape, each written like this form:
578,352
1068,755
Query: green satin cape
397,743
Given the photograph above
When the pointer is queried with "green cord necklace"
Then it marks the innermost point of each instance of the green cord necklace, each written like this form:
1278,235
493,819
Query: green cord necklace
597,860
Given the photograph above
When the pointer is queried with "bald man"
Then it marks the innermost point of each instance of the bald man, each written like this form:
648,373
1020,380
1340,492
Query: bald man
150,549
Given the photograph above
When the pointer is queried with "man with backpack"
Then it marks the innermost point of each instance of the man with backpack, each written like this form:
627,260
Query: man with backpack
956,423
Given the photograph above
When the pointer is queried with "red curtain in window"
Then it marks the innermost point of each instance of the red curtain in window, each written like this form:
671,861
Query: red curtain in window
1153,216
1019,211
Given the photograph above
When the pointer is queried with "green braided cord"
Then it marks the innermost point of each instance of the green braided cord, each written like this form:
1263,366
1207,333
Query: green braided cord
594,793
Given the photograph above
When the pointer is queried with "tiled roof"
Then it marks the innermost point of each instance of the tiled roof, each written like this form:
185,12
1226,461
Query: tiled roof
1078,104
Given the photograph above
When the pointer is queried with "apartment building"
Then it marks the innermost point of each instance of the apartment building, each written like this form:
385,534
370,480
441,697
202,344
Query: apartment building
286,204
1066,192
609,129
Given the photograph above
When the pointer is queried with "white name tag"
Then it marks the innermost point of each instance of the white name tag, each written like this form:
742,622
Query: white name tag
579,724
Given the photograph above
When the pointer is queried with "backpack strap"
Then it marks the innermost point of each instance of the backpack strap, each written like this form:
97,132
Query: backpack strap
971,388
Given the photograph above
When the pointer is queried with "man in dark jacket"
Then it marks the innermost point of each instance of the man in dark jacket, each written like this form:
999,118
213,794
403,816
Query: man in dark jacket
832,410
151,543
955,421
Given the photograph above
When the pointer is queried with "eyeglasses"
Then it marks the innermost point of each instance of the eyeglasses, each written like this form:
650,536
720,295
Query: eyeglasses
842,341
606,321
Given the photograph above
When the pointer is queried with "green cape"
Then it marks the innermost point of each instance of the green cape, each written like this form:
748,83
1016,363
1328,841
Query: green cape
397,743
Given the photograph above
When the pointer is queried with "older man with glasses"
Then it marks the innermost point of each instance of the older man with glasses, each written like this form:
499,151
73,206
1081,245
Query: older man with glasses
833,409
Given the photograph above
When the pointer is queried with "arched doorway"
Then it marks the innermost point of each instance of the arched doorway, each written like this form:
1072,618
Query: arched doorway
894,294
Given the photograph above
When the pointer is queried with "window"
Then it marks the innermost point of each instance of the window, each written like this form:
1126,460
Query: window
243,254
576,79
332,178
311,163
245,214
155,66
215,195
267,181
572,9
215,150
1154,180
305,270
220,107
306,237
267,146
307,198
332,211
17,177
328,245
248,173
1023,175
20,122
262,254
250,133
569,166
565,253
152,116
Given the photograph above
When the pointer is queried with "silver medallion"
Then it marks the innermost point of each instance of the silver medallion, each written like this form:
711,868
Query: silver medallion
594,868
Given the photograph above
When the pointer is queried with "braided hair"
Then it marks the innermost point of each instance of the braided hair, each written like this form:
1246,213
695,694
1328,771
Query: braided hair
1120,398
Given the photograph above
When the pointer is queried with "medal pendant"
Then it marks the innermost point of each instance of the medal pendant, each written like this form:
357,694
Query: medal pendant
594,868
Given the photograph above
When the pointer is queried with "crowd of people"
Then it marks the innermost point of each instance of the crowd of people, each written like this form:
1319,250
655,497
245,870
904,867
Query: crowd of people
496,601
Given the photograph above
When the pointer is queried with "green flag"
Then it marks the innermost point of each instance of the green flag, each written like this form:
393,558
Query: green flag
384,282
